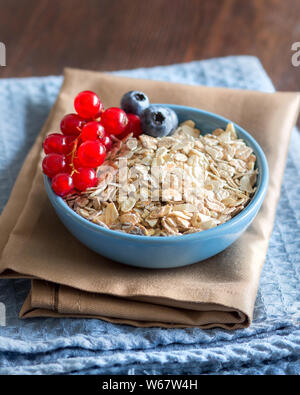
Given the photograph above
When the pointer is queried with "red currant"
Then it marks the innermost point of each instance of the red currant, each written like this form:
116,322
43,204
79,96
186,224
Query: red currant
54,164
107,142
91,154
92,131
88,105
84,178
133,126
57,143
76,163
71,125
73,163
71,141
114,120
62,184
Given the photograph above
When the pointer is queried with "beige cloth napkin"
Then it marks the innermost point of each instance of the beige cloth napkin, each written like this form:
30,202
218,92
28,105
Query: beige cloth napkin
71,280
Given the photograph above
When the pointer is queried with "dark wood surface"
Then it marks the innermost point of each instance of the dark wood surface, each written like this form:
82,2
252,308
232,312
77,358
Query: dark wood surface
43,36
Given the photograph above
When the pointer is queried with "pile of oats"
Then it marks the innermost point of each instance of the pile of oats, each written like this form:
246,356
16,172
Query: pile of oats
174,185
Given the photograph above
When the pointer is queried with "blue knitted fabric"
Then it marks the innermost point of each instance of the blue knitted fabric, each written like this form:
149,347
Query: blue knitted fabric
56,346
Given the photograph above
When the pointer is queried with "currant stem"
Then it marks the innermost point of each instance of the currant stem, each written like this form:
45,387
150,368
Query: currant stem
72,153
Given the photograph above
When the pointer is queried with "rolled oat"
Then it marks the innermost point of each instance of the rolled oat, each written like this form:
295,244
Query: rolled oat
174,185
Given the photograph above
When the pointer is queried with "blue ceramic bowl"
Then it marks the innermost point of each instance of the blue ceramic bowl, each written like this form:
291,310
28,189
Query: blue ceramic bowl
172,251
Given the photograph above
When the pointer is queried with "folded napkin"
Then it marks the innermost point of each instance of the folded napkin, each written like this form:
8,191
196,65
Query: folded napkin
70,280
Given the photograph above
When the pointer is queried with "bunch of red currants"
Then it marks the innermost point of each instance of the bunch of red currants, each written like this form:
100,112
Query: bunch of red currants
73,155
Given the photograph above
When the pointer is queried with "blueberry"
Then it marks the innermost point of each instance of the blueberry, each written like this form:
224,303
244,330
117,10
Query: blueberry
134,102
158,121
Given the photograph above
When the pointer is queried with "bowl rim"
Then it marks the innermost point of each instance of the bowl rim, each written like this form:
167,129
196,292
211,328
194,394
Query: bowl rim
223,228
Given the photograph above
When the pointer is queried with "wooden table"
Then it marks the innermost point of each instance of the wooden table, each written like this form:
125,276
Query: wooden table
43,36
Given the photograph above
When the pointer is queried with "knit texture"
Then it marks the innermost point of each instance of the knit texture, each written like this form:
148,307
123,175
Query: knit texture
76,346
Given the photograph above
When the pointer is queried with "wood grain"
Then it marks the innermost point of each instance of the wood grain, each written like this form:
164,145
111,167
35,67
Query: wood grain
44,36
